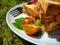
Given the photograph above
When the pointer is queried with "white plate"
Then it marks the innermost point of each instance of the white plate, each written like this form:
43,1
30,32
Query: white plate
44,40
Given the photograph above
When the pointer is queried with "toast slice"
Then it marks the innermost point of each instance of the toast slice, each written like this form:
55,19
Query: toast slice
31,10
44,4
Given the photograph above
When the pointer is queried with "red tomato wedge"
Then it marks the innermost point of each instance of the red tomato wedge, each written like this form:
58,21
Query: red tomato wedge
28,20
31,29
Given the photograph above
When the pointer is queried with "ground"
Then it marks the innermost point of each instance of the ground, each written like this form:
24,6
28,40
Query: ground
7,37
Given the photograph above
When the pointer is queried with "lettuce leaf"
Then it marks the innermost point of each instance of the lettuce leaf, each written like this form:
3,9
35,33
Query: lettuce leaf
18,23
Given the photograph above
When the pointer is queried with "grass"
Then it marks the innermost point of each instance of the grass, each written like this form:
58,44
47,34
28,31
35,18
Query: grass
7,37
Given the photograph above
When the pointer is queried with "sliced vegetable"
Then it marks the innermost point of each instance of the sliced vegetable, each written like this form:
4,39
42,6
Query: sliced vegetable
31,29
28,20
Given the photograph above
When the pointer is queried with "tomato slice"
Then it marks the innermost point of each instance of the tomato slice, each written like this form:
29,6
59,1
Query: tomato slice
31,29
28,20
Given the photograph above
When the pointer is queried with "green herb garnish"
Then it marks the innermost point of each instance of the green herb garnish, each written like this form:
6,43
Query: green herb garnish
18,23
38,23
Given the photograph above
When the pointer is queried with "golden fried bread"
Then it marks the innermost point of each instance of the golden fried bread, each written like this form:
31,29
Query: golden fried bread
44,4
31,10
58,19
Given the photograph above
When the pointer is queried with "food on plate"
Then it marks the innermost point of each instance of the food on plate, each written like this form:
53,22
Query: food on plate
31,10
47,13
42,17
31,29
38,23
29,25
43,5
28,20
32,26
18,23
51,26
